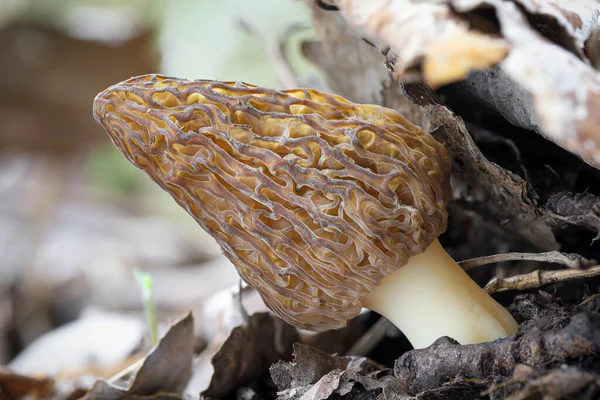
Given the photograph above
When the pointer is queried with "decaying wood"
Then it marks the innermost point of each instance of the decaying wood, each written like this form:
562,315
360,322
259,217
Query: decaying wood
485,186
164,372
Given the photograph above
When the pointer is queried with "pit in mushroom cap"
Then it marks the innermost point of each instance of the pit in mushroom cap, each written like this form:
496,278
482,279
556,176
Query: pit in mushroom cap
313,198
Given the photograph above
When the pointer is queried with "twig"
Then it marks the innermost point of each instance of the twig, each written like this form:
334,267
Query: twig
588,300
371,338
290,30
539,278
275,54
240,302
574,261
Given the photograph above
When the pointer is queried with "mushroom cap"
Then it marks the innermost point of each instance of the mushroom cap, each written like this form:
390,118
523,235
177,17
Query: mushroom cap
313,198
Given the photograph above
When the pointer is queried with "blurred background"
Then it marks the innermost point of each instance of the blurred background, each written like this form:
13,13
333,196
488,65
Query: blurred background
76,219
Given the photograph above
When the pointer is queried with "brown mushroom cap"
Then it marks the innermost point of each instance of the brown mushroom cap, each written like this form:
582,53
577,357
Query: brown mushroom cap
313,198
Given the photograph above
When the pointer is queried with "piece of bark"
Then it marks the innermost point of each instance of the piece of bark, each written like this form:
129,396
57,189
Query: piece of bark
493,191
424,369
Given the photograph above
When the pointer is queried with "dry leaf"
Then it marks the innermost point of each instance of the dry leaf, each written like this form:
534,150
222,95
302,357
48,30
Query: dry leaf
314,375
248,352
165,370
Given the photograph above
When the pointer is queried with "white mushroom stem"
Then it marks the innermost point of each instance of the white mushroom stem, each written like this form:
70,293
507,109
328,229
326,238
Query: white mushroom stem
432,296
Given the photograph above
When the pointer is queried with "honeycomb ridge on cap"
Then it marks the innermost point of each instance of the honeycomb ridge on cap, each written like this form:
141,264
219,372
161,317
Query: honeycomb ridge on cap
313,198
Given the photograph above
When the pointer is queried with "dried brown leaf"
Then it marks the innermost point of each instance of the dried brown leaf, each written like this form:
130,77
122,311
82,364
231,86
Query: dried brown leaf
314,375
248,352
164,372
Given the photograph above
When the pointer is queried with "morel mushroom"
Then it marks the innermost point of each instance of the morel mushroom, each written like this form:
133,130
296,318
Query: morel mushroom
323,206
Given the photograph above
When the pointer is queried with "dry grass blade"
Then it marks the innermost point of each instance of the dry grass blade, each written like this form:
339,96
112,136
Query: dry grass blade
574,261
539,278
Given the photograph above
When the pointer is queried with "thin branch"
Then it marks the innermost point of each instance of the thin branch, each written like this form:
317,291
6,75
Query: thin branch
240,302
539,278
275,54
327,7
574,261
370,338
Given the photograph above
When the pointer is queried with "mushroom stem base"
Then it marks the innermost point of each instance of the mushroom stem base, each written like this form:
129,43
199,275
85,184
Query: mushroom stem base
432,296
